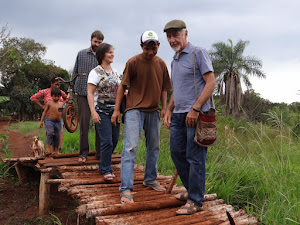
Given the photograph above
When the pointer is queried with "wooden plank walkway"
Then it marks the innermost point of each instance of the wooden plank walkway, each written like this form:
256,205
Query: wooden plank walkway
100,199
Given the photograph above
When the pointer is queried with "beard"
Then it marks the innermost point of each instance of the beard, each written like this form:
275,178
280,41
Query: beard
176,49
93,47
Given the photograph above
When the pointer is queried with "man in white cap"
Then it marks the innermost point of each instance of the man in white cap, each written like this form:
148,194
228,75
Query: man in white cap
148,80
191,70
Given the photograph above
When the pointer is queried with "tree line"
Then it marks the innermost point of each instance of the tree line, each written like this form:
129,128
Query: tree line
23,73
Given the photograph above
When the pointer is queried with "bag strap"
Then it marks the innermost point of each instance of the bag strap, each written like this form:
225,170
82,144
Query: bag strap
194,66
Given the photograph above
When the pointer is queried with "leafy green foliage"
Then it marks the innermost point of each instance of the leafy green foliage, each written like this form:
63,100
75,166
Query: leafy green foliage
24,73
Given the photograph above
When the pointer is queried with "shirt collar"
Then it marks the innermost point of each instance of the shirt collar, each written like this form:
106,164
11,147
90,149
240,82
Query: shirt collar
89,50
188,49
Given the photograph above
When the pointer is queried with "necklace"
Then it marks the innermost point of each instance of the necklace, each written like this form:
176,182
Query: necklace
107,69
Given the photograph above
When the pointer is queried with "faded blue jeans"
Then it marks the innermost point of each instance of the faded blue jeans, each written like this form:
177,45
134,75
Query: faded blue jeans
135,121
188,157
109,136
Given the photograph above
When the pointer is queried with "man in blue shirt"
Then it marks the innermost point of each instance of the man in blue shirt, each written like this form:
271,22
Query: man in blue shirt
188,157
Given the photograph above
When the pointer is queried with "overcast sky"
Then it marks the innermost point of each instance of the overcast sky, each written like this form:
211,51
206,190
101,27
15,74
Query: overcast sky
65,26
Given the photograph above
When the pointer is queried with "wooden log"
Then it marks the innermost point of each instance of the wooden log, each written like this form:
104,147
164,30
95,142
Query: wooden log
51,160
95,167
30,159
143,217
98,180
11,160
248,221
202,217
134,207
90,199
114,196
82,209
47,170
21,176
210,197
173,181
78,168
218,207
44,194
73,162
213,202
22,159
69,155
234,214
75,189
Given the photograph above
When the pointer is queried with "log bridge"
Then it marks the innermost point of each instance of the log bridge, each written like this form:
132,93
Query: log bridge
100,199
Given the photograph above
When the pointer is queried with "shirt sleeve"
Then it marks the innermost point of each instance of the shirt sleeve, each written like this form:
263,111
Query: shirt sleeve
93,78
167,85
38,95
75,70
126,77
64,95
204,61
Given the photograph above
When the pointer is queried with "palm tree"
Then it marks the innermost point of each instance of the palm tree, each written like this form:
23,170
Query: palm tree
230,68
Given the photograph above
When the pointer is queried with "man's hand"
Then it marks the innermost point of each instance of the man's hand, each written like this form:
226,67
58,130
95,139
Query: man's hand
167,118
191,118
96,118
162,114
41,124
115,117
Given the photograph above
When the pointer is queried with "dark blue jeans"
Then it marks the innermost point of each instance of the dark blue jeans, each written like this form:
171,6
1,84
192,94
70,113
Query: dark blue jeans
109,136
188,157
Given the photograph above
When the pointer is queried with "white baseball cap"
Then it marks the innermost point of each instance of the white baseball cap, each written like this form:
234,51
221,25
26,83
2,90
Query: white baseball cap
149,36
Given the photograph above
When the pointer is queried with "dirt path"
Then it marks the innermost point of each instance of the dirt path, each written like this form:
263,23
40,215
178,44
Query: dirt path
18,143
19,203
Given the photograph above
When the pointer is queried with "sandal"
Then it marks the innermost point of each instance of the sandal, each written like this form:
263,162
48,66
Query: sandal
183,196
189,208
126,198
155,185
108,176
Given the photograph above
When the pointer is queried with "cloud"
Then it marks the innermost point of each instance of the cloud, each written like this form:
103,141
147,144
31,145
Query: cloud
272,28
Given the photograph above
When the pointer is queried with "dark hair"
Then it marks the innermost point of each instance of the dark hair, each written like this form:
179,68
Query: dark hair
56,92
97,34
54,79
101,50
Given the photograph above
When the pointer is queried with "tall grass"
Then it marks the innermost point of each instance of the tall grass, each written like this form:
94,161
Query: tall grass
6,153
257,168
252,166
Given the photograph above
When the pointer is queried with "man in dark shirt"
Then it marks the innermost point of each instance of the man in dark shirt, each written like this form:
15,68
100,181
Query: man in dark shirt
85,62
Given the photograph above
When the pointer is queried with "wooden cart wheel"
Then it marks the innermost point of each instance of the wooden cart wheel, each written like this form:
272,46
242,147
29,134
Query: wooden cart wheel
70,118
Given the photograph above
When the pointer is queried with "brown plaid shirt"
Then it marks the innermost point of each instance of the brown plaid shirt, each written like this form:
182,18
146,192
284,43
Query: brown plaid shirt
85,62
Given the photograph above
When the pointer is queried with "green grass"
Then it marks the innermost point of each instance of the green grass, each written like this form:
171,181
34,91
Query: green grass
6,154
252,166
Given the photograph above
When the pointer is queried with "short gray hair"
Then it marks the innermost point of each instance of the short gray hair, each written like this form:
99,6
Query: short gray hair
183,32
